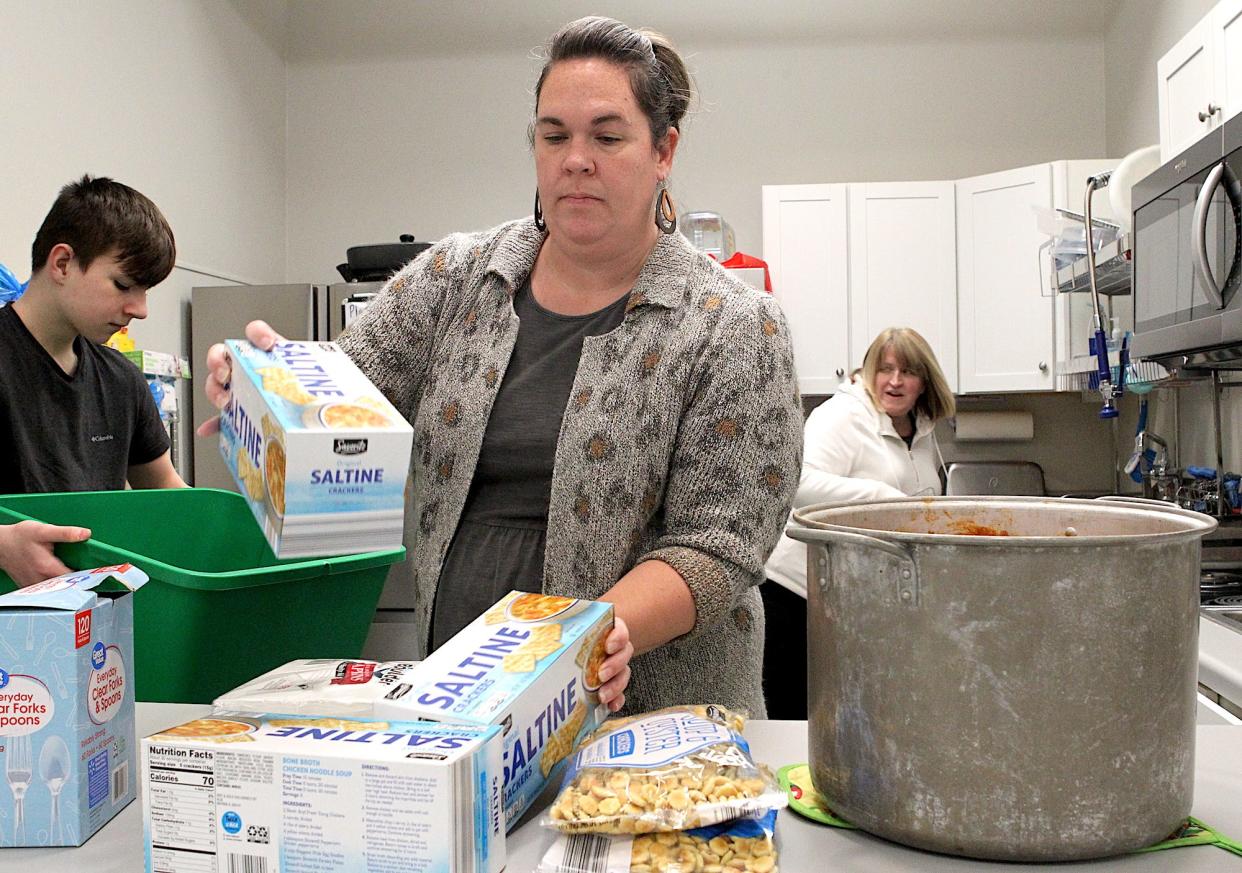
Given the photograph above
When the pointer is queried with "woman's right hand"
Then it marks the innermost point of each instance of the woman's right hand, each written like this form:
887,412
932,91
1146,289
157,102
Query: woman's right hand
220,370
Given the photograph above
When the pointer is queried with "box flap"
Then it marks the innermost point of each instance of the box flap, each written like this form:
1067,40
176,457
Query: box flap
75,591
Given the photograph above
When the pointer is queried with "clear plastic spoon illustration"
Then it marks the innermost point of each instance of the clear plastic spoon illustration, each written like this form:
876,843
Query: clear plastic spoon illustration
54,771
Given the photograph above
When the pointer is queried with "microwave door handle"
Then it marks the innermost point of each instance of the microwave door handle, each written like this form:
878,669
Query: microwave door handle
1202,207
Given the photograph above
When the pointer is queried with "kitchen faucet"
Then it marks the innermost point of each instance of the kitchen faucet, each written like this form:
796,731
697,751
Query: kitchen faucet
1160,463
1158,482
1108,390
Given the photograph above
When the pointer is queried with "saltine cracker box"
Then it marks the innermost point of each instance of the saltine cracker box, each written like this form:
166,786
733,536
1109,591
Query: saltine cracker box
530,664
260,793
317,451
67,706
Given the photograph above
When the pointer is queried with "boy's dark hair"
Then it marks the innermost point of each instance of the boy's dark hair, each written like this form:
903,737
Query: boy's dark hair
97,216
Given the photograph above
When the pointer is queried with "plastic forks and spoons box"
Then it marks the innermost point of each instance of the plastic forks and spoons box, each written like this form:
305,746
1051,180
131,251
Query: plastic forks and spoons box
67,741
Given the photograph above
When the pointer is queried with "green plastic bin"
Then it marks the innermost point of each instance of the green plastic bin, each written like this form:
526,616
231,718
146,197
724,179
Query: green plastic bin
220,608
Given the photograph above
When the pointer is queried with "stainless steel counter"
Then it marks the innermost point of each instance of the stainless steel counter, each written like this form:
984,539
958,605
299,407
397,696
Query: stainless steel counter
803,845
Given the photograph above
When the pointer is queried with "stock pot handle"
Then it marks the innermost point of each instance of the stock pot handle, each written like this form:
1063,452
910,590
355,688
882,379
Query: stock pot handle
908,575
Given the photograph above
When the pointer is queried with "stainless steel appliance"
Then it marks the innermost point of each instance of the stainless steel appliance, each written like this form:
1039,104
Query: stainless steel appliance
981,671
1220,585
1013,478
1188,257
346,302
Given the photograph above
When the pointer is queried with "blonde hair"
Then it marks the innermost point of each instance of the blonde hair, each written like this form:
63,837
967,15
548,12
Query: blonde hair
912,353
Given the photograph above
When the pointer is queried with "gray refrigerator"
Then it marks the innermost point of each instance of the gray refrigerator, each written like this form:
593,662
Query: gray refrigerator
302,312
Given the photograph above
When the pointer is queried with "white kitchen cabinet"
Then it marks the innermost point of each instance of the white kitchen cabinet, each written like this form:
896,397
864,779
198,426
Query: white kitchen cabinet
1013,332
903,265
805,244
1004,305
1199,80
1226,27
1187,89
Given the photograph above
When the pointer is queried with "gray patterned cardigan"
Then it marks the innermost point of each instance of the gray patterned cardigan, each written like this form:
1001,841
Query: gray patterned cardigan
681,441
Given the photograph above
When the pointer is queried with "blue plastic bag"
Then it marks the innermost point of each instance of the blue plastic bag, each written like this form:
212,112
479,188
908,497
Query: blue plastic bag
10,288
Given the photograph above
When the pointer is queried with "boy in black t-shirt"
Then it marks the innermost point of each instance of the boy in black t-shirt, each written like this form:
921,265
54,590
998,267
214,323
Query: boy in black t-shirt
75,415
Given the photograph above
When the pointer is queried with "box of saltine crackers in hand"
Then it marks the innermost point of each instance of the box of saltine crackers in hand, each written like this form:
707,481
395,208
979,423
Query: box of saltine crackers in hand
529,664
318,452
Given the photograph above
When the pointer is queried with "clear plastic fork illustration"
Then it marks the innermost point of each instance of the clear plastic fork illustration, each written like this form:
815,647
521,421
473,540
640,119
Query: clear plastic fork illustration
18,771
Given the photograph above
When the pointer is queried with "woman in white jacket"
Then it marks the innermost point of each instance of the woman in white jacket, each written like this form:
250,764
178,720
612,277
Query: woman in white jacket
873,439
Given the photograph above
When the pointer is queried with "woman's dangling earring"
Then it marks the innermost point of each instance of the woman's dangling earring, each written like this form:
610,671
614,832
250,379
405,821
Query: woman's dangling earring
665,212
539,222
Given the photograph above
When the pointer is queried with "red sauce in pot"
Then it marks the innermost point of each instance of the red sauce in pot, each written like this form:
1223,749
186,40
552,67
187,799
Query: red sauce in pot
973,529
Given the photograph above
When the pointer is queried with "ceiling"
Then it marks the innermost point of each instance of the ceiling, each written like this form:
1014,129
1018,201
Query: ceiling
317,30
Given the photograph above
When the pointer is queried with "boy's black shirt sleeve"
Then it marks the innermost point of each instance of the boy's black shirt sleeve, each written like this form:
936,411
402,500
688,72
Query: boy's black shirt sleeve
71,433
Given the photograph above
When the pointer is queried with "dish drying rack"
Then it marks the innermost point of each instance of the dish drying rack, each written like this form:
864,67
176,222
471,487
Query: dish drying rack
1139,375
1112,271
1112,262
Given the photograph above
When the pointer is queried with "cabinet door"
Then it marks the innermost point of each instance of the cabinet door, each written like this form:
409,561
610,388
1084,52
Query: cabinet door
804,244
1226,27
903,269
1189,107
1005,313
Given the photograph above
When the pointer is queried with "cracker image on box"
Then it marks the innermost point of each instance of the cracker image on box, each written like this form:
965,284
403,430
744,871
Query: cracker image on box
318,452
522,665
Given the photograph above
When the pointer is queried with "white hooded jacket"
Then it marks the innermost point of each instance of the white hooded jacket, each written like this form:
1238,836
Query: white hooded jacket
852,452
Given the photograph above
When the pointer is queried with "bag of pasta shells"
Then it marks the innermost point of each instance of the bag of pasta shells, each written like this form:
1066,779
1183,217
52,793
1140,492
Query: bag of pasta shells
669,770
741,846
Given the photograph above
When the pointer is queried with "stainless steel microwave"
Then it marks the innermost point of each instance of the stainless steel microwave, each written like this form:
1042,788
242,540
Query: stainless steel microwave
1187,251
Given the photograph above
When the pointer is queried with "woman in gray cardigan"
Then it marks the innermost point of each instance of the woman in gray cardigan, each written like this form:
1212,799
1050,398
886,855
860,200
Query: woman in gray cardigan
599,410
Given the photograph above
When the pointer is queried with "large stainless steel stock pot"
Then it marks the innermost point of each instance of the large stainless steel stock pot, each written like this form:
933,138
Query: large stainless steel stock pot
1004,677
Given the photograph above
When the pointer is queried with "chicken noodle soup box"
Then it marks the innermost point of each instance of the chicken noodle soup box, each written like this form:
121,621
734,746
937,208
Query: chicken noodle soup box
317,451
262,793
67,706
530,665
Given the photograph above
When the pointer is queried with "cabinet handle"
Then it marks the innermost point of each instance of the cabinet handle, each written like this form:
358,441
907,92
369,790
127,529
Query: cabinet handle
1212,109
840,373
1043,366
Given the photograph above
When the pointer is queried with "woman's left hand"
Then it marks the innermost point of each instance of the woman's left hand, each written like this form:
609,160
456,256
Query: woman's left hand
615,671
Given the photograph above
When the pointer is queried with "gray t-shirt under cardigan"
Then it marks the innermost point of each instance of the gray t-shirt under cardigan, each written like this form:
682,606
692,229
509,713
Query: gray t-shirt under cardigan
503,529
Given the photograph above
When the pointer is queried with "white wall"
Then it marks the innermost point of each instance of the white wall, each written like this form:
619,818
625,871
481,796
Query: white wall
183,100
434,144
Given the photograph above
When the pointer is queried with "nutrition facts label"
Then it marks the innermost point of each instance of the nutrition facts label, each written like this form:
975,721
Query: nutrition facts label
181,801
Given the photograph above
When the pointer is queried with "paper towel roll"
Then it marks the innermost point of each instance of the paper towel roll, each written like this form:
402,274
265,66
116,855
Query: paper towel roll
994,426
